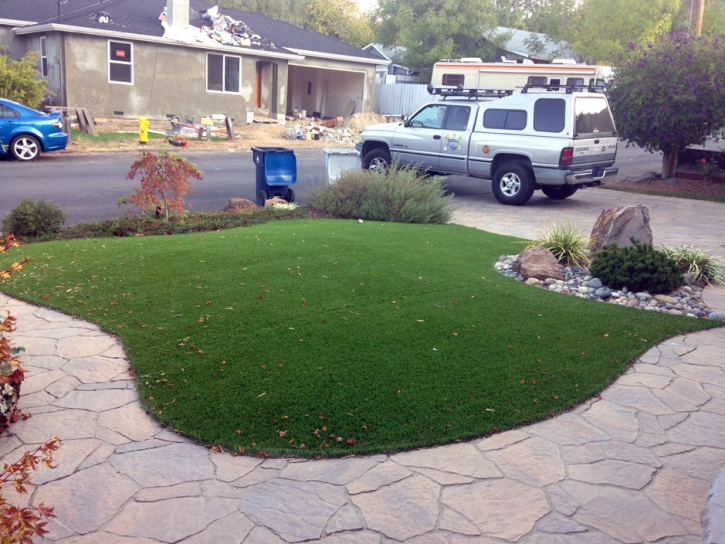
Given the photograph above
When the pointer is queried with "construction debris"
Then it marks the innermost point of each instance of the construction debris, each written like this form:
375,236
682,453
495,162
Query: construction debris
316,131
101,17
225,31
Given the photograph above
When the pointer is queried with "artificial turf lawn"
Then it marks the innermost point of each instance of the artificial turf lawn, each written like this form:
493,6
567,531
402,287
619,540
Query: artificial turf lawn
308,332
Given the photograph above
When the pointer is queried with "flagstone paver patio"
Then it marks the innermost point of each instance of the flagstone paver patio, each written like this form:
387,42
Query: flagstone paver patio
634,465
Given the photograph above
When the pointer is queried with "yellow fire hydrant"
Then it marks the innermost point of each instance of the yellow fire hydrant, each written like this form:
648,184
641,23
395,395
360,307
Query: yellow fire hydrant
143,130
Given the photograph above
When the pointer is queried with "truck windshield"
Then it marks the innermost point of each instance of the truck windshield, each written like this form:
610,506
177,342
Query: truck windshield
593,117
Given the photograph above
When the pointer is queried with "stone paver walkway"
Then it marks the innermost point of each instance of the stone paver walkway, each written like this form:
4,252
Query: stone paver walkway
634,465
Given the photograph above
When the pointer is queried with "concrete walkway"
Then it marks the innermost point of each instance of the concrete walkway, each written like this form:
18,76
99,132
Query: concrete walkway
634,465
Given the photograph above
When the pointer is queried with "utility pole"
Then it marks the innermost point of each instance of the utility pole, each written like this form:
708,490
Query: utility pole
696,12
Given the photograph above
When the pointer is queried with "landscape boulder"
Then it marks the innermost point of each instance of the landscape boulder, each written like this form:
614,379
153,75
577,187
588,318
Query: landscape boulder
619,225
539,263
274,200
236,205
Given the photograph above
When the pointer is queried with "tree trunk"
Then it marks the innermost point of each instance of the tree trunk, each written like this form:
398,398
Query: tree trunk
669,161
697,10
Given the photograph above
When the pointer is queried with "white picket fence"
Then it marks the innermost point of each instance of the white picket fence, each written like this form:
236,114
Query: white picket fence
400,99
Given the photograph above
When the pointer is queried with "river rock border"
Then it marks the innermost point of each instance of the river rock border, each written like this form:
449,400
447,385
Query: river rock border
687,300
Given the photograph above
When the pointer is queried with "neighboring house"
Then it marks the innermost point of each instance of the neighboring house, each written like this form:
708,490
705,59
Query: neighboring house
391,72
524,46
125,58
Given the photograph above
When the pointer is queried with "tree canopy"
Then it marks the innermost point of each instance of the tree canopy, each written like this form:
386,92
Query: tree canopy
339,19
20,80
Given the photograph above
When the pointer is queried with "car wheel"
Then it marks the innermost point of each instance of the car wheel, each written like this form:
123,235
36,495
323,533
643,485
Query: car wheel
290,196
25,148
513,184
377,160
558,192
262,198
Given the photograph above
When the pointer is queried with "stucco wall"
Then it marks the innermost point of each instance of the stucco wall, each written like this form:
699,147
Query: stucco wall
167,80
14,46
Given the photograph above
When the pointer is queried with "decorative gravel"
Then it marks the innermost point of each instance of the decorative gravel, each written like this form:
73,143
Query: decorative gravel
687,300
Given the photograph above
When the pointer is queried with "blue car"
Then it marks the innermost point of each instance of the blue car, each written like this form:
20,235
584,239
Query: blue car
25,133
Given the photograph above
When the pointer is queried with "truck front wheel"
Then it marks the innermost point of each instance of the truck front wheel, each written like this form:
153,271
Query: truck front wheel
558,192
377,160
513,184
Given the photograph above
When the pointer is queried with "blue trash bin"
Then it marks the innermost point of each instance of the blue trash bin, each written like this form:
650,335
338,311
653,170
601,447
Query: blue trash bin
276,171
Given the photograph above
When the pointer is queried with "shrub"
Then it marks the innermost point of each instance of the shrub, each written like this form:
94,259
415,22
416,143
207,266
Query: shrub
693,260
566,243
33,219
639,268
401,195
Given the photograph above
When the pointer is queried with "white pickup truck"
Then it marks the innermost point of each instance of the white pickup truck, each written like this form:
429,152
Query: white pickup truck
556,139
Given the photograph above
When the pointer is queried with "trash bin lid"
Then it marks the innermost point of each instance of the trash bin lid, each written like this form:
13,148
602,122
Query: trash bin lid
340,151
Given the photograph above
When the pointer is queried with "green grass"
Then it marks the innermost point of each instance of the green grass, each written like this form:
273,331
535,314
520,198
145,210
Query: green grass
654,192
389,336
81,136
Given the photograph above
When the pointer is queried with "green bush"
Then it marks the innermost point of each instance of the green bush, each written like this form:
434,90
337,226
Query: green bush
639,268
33,219
400,195
566,243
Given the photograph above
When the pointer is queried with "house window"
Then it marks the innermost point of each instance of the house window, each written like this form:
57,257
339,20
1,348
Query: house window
223,73
120,62
453,79
43,58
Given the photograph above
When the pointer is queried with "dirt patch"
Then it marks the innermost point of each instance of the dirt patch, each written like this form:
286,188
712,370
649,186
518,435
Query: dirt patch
359,121
674,186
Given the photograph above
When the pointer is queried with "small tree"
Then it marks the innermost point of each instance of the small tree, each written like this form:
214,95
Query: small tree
671,94
19,79
164,181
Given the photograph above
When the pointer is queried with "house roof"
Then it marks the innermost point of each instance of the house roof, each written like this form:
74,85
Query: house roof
519,41
141,17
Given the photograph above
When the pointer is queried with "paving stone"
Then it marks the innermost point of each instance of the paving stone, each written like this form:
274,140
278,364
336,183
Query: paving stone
646,380
463,539
568,430
215,488
153,494
613,472
678,493
715,390
262,535
231,529
380,475
94,369
8,444
115,351
700,429
630,453
675,403
703,463
639,398
585,453
230,468
457,523
55,333
619,422
347,518
588,537
462,459
131,421
97,401
715,405
671,448
534,461
443,478
66,460
138,446
111,437
164,466
83,346
644,368
34,346
688,390
39,381
258,476
702,374
647,440
331,471
63,386
41,398
359,537
429,538
50,316
83,505
51,362
169,520
705,356
561,501
401,510
648,423
105,538
556,523
621,513
501,440
667,422
296,511
72,424
275,463
501,508
171,436
121,384
652,356
56,531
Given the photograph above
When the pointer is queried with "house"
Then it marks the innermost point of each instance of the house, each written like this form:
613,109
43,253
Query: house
529,47
162,58
390,72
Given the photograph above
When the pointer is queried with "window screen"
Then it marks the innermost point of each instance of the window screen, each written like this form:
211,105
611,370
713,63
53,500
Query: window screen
231,74
504,119
453,79
549,114
215,72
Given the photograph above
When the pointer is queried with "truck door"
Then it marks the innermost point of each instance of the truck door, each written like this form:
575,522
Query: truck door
456,135
418,141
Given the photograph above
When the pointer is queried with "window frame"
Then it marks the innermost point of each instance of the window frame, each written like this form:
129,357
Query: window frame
43,57
224,71
125,63
541,120
506,121
460,77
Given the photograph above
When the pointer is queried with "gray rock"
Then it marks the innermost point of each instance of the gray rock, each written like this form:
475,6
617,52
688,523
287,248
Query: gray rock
539,263
605,294
717,316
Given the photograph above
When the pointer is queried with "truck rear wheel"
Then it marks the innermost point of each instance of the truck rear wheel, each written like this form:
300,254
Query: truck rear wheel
377,160
513,184
558,192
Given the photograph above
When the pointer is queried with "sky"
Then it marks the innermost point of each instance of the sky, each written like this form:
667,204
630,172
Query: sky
367,5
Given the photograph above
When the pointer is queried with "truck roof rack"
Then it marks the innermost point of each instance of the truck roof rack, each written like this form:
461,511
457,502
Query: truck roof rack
578,88
471,94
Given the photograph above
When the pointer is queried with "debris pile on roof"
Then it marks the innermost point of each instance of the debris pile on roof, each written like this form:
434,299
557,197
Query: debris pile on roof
225,31
101,17
316,131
